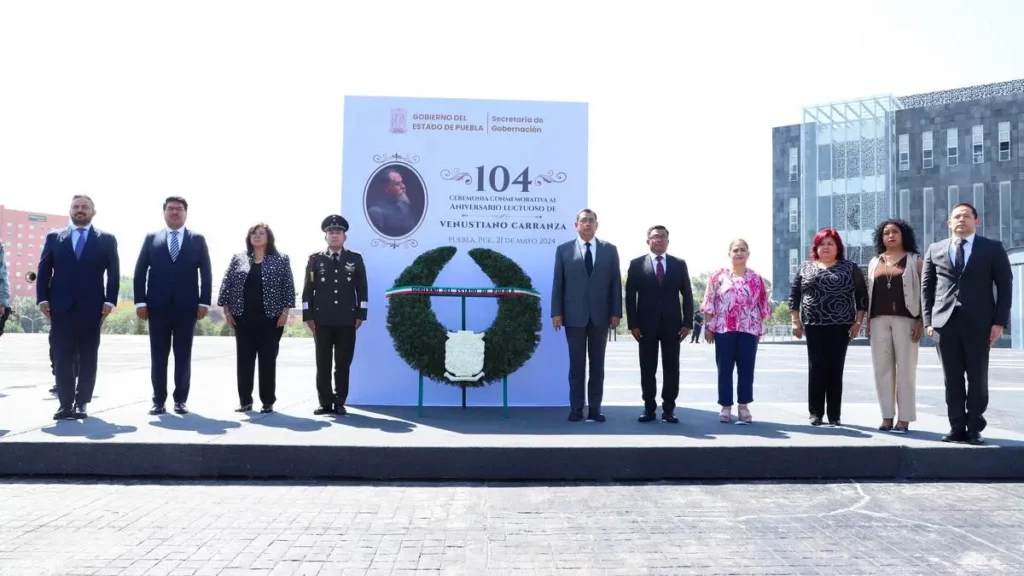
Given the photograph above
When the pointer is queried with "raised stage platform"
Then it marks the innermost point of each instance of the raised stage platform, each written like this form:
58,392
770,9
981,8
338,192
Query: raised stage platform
450,443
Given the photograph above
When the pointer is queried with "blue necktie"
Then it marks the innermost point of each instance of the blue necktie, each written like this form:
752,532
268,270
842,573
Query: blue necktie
588,260
174,246
80,243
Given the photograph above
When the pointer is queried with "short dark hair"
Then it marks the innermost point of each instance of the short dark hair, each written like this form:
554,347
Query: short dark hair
974,211
906,231
83,197
586,211
657,227
271,248
177,199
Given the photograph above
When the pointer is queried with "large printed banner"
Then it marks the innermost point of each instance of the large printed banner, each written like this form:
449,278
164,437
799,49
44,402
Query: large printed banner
423,173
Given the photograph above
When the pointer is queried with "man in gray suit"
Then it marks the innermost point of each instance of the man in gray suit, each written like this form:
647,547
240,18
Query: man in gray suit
966,288
586,298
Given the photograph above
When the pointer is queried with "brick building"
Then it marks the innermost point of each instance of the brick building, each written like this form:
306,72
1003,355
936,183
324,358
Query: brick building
23,235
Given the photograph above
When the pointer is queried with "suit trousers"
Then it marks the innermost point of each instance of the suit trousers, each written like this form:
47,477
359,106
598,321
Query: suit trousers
964,351
667,339
894,357
337,344
257,340
735,351
171,327
588,341
826,358
76,336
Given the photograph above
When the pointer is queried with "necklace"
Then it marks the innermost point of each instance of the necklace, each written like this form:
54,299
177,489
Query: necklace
890,267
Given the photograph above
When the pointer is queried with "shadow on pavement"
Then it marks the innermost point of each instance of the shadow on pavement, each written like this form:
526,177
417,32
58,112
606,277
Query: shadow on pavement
193,422
91,428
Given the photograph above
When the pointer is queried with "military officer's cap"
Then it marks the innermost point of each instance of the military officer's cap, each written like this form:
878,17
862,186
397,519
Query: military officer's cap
334,222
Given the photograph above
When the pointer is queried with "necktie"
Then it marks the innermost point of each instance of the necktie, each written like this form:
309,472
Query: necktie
660,272
336,258
959,262
80,243
588,260
174,246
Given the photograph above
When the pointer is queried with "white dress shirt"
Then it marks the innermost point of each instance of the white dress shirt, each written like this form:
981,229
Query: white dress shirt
654,262
581,244
967,249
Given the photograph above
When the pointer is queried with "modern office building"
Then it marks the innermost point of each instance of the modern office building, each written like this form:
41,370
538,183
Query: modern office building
849,165
23,235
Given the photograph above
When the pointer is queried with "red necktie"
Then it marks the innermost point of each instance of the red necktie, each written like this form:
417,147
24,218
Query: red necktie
660,271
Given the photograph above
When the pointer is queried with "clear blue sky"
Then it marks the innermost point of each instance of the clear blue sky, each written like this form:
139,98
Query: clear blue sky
238,105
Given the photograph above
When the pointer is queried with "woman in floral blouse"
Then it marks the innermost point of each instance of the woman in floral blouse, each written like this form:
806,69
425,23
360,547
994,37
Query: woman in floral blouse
735,308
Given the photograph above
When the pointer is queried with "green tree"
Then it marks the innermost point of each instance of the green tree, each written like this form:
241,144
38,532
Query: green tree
226,330
206,327
13,327
297,331
29,316
120,321
780,314
126,290
699,286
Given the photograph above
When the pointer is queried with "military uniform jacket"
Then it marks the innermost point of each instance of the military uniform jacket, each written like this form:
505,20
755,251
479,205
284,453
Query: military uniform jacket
334,294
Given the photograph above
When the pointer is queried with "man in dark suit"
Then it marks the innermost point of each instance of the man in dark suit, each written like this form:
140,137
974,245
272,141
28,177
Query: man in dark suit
654,284
586,298
72,293
172,291
965,316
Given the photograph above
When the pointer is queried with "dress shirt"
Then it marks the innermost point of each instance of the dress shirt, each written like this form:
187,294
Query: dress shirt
664,262
967,249
582,245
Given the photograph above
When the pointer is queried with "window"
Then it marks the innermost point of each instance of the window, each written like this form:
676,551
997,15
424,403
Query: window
927,152
794,164
979,202
905,204
904,151
953,198
1005,214
929,216
952,148
1004,141
794,262
978,144
794,214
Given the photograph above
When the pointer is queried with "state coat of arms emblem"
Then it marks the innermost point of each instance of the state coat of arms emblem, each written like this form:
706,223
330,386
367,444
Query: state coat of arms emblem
464,356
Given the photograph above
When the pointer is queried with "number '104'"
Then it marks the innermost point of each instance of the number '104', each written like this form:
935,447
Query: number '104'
499,179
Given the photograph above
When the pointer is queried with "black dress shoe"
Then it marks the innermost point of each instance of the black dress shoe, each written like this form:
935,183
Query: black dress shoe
955,436
64,414
340,411
321,410
80,412
815,420
669,417
647,416
975,439
180,408
595,417
575,416
267,409
244,408
157,410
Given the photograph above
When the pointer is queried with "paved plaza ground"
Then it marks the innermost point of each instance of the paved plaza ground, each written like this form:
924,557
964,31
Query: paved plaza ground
278,529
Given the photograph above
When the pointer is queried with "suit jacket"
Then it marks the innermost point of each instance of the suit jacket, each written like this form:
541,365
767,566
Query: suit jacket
579,298
942,287
65,281
650,306
160,281
278,284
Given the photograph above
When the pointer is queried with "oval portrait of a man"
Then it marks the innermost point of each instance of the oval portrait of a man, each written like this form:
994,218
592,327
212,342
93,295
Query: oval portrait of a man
395,201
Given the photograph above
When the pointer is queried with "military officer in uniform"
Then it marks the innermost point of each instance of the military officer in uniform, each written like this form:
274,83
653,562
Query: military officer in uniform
334,306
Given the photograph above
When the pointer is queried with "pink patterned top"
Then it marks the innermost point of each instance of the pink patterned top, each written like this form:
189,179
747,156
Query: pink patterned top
736,305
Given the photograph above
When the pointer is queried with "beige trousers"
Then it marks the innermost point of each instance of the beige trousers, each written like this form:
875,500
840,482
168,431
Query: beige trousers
894,356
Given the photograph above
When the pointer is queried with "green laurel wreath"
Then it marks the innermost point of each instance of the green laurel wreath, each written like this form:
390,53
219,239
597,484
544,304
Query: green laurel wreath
419,338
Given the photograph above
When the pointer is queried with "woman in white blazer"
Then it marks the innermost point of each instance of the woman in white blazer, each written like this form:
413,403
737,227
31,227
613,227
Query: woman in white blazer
894,322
